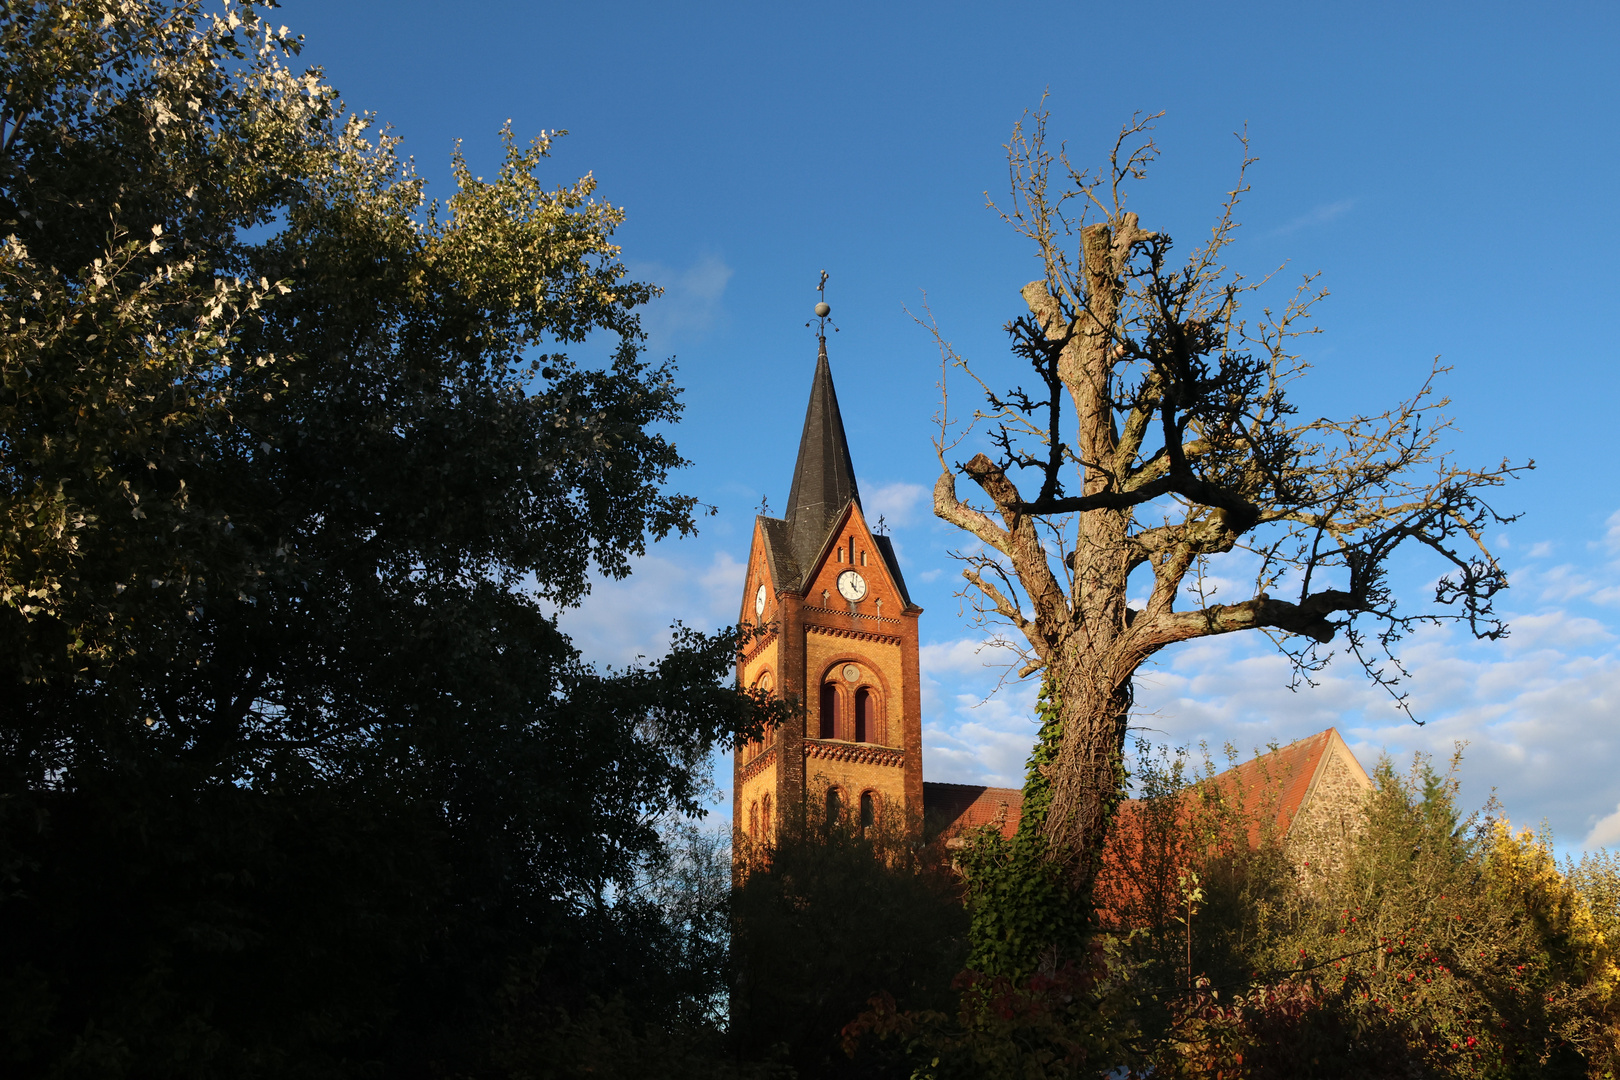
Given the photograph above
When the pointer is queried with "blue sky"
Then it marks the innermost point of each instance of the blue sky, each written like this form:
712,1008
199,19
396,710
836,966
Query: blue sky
1450,170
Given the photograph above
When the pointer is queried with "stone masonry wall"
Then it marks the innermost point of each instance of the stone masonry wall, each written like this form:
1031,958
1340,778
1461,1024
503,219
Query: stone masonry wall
1320,837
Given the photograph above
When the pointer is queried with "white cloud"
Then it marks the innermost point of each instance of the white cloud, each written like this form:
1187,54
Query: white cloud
623,620
1605,833
1556,584
1318,215
961,656
692,302
981,741
896,503
977,719
1554,628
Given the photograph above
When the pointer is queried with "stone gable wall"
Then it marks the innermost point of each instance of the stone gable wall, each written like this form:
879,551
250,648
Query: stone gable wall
1320,837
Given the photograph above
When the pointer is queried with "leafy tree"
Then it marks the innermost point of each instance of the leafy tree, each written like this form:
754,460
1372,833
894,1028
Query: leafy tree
1158,433
297,772
1447,946
1194,868
826,919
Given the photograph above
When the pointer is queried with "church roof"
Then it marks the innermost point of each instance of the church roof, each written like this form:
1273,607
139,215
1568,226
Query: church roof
823,487
1281,778
952,809
886,549
824,476
1275,783
785,571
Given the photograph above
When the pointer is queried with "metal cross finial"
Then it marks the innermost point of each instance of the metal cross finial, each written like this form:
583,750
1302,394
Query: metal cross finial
883,529
823,309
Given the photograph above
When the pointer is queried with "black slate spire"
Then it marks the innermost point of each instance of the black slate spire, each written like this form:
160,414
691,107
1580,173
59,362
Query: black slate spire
824,477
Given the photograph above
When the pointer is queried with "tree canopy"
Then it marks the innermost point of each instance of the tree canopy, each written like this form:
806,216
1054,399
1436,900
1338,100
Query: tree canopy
297,771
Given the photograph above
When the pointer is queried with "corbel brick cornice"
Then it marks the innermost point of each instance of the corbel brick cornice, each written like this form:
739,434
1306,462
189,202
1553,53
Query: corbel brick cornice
858,753
761,643
852,635
759,764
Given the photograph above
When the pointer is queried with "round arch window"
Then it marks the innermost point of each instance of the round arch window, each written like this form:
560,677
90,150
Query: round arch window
868,716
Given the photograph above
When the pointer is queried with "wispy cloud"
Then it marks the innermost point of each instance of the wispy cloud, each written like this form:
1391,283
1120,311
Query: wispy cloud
978,722
1318,215
622,621
1606,833
692,304
896,503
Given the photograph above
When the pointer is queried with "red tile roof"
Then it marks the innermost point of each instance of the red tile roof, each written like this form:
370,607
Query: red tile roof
1281,778
952,809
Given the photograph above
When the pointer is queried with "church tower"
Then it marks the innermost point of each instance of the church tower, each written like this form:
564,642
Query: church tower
841,637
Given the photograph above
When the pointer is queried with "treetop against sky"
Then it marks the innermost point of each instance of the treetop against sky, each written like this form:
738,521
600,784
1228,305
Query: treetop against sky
1448,170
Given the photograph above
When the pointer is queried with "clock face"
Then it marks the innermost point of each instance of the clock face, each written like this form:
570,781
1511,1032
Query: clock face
851,586
759,602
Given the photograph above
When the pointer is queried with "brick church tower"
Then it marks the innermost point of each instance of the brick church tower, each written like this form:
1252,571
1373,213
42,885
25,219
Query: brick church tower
841,636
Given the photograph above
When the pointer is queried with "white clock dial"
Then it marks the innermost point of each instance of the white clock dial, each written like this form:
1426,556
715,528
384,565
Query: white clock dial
851,586
759,602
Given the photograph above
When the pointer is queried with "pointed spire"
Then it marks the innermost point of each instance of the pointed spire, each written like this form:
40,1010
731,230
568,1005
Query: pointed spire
824,477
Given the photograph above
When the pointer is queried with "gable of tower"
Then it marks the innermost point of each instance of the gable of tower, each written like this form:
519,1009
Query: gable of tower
851,545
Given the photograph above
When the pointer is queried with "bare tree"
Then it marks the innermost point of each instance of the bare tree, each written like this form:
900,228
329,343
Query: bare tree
1158,434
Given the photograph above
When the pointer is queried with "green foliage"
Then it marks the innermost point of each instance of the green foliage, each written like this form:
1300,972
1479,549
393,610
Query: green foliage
1027,917
1446,947
824,920
1077,1021
1040,998
1596,877
1193,869
297,774
602,1040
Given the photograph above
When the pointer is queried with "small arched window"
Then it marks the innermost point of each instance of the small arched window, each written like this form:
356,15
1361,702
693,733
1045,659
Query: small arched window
866,725
834,806
755,747
765,817
829,711
753,819
868,810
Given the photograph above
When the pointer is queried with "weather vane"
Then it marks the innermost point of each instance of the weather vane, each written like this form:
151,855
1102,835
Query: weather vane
823,309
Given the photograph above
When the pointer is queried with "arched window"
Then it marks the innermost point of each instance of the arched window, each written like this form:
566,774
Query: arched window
829,711
867,726
753,819
868,810
765,817
757,746
834,806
